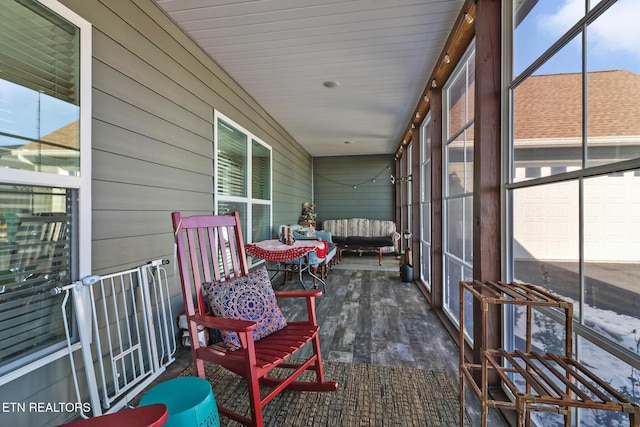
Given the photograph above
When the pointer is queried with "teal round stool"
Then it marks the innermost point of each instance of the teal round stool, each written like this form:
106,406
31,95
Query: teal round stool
189,400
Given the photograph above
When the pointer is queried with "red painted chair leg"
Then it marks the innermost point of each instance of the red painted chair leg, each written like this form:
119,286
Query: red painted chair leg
254,400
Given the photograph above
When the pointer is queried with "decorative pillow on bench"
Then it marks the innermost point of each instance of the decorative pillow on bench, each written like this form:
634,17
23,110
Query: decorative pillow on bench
247,298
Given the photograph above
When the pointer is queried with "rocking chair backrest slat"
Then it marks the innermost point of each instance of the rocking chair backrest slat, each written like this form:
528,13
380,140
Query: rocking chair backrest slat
241,254
215,252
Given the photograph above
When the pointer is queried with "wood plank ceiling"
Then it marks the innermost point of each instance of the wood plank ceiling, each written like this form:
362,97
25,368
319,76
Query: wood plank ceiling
381,52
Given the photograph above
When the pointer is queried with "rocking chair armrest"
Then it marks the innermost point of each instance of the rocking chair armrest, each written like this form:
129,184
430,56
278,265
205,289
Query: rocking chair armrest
233,325
311,293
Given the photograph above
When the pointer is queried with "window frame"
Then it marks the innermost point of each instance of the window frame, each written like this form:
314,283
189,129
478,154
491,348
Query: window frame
81,183
448,138
579,176
248,199
426,203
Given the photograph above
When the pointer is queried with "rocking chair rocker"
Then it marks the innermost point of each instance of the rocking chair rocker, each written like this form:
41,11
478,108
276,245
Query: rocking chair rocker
210,249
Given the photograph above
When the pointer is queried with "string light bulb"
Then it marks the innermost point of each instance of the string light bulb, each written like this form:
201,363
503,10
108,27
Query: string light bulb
468,18
434,84
447,59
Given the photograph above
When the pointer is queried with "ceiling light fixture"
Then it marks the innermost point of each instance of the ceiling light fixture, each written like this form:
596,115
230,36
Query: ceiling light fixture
434,84
331,84
447,59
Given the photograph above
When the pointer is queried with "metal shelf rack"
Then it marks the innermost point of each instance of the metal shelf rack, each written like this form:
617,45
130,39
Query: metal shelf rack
543,382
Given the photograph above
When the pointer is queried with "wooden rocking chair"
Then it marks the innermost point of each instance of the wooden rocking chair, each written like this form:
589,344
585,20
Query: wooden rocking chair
211,249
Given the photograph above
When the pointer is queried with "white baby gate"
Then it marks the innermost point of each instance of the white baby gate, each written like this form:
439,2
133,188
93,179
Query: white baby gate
125,326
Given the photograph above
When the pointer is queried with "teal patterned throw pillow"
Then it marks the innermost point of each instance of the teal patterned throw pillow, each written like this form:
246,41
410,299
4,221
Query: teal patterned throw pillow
248,298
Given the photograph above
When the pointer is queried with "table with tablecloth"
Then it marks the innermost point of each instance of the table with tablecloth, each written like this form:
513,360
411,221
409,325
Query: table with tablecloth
274,250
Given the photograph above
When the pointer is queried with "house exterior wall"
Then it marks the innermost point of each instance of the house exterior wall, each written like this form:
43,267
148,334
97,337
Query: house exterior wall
373,197
154,95
546,234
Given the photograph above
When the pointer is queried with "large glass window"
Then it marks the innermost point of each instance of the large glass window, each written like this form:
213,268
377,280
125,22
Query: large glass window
243,178
573,186
425,202
39,90
45,184
459,101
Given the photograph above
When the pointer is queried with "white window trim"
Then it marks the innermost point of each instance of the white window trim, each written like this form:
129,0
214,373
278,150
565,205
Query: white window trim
82,182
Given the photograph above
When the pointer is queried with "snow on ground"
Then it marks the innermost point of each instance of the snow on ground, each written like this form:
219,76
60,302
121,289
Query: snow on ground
621,329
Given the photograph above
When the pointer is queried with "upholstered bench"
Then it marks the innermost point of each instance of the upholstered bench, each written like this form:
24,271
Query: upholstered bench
363,235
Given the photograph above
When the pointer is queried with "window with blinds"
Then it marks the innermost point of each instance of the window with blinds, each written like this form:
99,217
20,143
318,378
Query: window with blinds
232,161
39,90
45,210
243,178
35,256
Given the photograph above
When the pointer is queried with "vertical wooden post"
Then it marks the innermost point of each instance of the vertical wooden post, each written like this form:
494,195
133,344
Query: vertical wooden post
397,189
487,167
